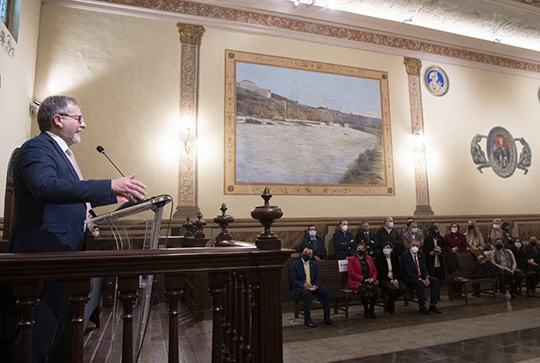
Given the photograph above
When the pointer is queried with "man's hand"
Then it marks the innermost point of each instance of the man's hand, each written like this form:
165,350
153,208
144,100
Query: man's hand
316,258
395,283
426,282
129,188
454,249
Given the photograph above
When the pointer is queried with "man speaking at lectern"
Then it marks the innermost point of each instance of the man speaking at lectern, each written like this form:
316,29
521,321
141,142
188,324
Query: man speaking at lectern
52,202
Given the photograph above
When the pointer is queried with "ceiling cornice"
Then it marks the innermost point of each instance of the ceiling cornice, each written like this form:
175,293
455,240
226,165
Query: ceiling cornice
335,28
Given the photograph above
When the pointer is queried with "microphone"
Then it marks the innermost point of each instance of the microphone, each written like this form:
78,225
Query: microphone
101,150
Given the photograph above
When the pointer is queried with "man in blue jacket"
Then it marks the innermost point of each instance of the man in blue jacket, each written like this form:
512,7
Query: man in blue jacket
304,282
415,274
52,202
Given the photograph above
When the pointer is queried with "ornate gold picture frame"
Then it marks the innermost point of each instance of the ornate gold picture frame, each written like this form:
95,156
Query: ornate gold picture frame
305,128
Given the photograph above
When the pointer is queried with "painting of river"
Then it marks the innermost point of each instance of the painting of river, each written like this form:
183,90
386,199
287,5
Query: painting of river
312,126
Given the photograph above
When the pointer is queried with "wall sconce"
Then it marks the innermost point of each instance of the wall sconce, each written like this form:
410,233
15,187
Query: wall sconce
188,141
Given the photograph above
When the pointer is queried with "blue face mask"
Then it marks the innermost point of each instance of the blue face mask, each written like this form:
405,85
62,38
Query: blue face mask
312,233
415,230
518,244
387,251
390,224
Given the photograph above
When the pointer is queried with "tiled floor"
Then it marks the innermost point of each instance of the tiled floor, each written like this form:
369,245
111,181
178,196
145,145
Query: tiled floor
482,331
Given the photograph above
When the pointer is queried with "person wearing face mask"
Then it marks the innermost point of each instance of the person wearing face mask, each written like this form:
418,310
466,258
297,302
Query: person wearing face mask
363,280
314,243
507,232
365,236
389,276
388,233
495,232
412,233
305,282
343,241
473,237
504,259
455,240
528,269
434,245
533,259
415,274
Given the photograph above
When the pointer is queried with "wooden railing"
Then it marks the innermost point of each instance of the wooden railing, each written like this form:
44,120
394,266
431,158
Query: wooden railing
244,284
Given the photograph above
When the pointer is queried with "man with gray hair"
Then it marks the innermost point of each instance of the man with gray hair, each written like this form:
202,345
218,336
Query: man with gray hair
52,202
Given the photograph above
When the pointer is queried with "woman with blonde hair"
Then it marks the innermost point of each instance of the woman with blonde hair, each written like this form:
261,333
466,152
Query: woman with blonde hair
475,240
496,231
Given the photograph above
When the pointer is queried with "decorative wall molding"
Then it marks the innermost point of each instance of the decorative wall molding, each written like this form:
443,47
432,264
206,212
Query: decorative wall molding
190,39
220,14
412,66
7,42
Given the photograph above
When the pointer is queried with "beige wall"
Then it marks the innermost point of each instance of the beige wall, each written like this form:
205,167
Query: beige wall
17,87
125,73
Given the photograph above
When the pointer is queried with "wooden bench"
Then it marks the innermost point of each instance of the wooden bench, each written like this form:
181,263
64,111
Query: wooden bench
460,282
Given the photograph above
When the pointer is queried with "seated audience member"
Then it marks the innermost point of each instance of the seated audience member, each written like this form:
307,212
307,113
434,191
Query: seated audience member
412,233
343,241
495,232
315,243
387,233
414,273
389,276
504,259
434,245
363,280
365,236
533,258
456,240
304,281
527,266
507,232
473,237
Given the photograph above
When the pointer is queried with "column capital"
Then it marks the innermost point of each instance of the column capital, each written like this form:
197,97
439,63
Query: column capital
412,66
190,33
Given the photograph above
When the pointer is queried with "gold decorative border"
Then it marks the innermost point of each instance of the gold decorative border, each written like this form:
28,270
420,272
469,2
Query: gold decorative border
6,42
252,18
233,187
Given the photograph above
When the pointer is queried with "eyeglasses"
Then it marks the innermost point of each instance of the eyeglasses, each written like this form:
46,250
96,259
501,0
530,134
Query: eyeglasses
79,118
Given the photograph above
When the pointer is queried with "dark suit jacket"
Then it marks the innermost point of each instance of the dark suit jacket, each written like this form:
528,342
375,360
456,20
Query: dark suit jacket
370,241
429,246
533,252
393,237
382,267
342,244
297,275
408,267
317,246
50,199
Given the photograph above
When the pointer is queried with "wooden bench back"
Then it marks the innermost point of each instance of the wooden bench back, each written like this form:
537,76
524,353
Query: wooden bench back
466,266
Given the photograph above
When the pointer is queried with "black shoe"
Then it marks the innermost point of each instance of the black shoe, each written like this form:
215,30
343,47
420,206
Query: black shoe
391,308
310,324
434,309
372,315
424,310
366,314
94,317
328,321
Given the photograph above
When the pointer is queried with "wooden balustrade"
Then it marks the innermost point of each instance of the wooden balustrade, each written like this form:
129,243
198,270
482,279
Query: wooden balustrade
244,285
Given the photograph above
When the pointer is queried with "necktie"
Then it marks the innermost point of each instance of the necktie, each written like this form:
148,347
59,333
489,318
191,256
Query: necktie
416,263
71,158
308,274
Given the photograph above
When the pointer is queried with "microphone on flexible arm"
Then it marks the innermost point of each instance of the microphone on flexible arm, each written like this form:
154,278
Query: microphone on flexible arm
101,150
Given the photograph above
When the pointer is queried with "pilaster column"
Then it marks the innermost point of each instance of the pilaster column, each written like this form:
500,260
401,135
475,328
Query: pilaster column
412,66
190,40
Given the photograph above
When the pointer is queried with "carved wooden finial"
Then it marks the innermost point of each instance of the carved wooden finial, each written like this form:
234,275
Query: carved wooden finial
223,220
188,226
199,225
266,215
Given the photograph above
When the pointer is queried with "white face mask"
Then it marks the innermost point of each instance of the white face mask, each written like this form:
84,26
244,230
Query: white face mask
344,228
453,230
496,226
414,249
390,224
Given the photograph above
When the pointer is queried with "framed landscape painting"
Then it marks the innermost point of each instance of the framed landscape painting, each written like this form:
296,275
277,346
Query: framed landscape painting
305,128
